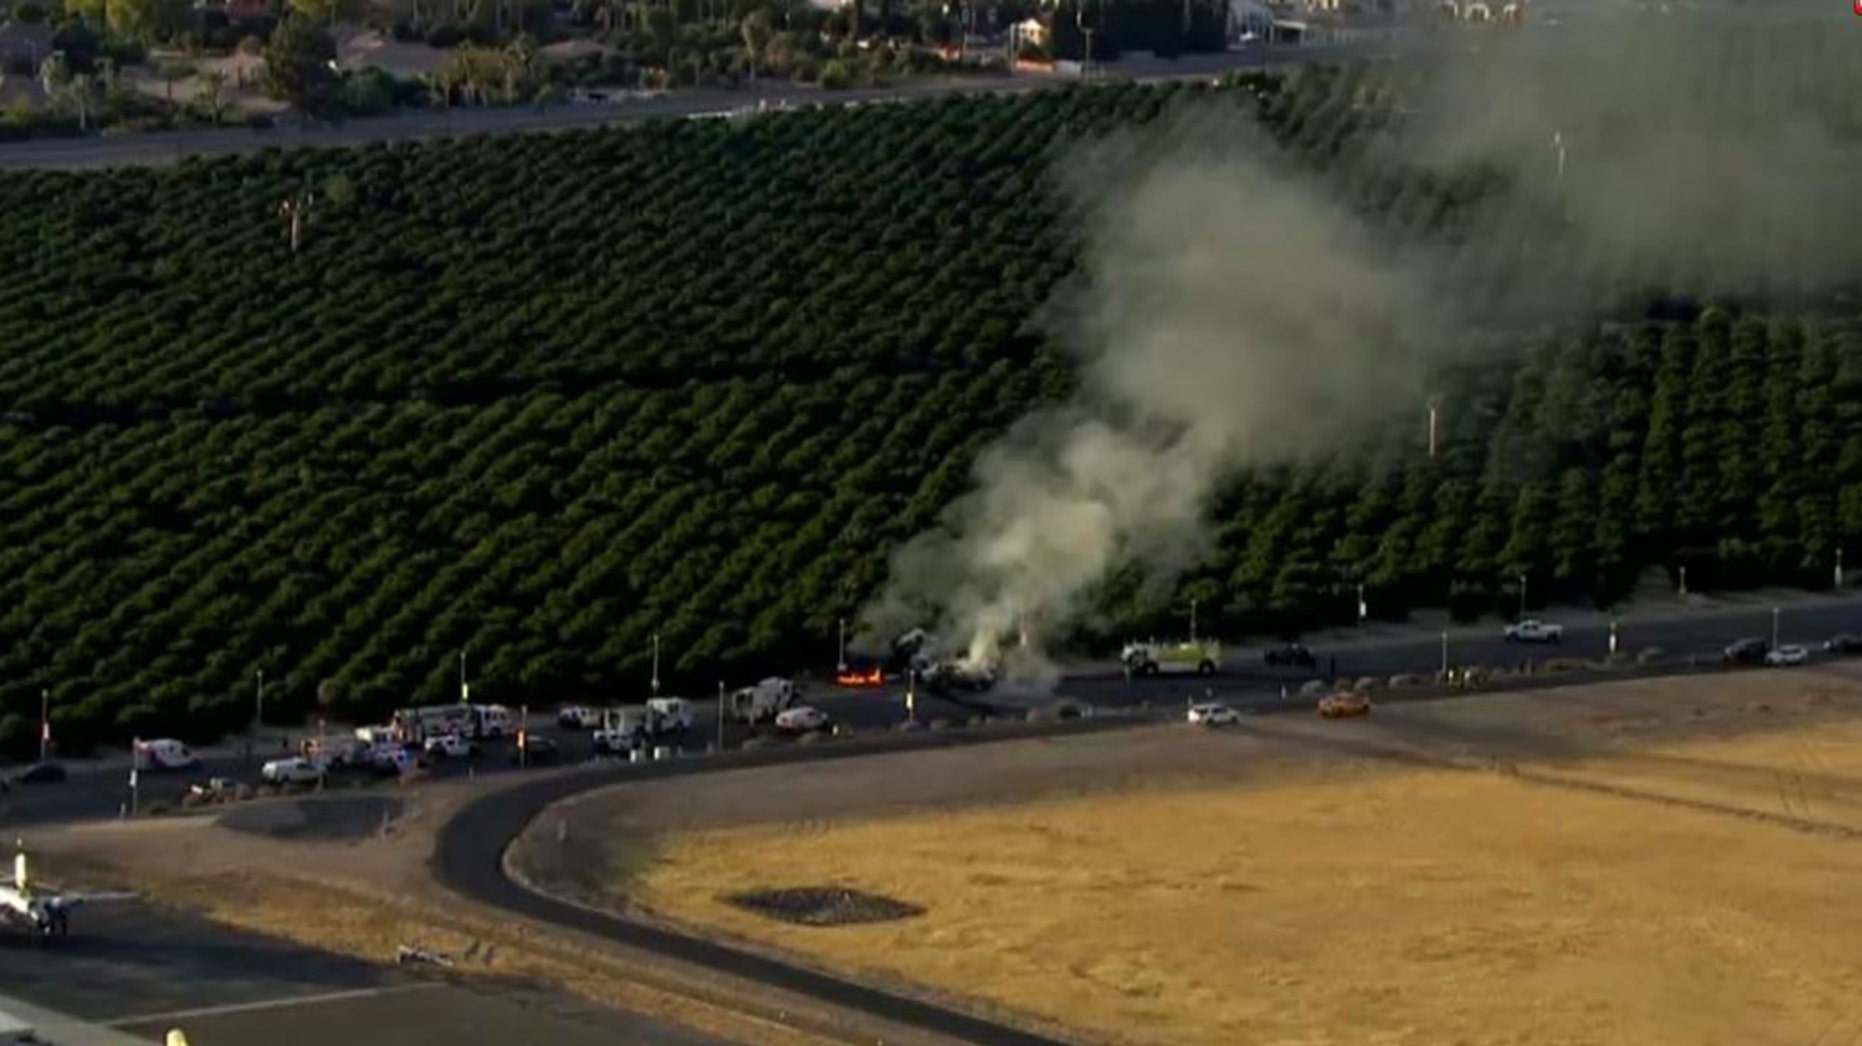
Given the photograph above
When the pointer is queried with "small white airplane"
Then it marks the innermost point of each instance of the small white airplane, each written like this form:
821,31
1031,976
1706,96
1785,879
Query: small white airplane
45,913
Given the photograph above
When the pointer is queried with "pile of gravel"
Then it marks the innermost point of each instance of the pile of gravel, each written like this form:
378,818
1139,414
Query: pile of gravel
823,906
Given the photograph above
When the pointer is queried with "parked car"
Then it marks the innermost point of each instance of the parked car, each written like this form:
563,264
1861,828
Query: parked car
579,717
1787,655
295,770
801,719
1340,706
1843,643
1745,652
1292,655
450,746
1532,630
535,750
1213,715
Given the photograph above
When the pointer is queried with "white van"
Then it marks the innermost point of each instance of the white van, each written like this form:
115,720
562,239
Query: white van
164,753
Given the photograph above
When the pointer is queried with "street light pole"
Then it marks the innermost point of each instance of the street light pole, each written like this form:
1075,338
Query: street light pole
1444,653
463,691
45,723
720,715
1775,613
1361,607
656,664
1192,619
1522,594
258,708
840,663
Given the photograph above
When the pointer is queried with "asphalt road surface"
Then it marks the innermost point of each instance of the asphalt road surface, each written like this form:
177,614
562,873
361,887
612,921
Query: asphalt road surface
97,794
142,970
169,146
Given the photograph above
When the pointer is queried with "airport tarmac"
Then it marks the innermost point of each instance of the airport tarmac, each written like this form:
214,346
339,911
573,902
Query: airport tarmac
138,971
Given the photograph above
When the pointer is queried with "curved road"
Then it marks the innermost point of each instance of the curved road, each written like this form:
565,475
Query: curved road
469,859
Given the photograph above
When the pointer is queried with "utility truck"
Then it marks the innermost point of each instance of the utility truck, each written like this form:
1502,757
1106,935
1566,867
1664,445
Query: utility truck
624,729
1201,656
763,702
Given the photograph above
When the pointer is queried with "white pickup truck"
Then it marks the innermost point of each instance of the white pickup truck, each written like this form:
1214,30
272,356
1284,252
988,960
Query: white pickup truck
1532,630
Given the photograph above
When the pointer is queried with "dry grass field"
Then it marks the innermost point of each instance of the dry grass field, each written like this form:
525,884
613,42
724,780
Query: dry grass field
1637,863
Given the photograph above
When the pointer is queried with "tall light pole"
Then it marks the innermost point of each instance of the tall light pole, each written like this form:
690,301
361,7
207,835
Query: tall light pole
1775,614
840,661
258,706
464,692
1522,593
720,715
45,723
1444,653
656,664
911,693
1192,619
1363,608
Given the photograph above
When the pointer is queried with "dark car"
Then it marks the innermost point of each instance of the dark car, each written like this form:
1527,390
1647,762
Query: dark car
1746,652
40,773
1292,655
535,750
1844,643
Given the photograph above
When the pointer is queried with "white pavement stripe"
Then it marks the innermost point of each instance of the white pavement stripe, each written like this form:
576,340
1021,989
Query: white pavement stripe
266,1004
62,1029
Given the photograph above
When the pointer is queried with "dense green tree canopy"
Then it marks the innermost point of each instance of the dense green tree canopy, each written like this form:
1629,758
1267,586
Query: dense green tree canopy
540,397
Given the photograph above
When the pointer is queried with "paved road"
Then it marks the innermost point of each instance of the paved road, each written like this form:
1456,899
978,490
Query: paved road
469,859
1245,679
168,147
141,970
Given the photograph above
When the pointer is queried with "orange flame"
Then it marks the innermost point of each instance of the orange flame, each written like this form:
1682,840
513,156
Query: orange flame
874,677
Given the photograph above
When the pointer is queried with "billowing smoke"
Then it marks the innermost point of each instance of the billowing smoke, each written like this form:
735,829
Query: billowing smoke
1235,311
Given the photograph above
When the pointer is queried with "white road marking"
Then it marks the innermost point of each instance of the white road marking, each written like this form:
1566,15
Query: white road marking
267,1004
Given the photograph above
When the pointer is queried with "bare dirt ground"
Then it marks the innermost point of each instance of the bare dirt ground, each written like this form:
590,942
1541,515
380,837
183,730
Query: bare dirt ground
1637,862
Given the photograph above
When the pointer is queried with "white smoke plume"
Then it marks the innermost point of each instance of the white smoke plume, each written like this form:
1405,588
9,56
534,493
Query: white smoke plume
1234,312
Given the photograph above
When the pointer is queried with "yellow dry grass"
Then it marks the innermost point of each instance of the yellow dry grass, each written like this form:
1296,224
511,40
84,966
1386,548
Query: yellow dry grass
1355,904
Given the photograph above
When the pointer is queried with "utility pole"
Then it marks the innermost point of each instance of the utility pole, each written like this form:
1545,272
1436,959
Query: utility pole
135,764
1444,653
1683,582
1363,608
840,663
1613,641
720,715
45,723
1776,612
1434,418
1192,619
258,708
911,693
523,736
656,664
1522,594
464,692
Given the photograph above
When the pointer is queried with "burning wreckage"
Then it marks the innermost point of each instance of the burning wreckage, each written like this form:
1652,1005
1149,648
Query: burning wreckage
914,654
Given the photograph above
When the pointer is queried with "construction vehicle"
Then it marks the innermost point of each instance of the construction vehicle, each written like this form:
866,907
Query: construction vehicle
1203,657
763,702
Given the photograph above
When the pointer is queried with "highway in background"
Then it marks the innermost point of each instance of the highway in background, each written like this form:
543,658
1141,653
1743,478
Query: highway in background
165,147
101,791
